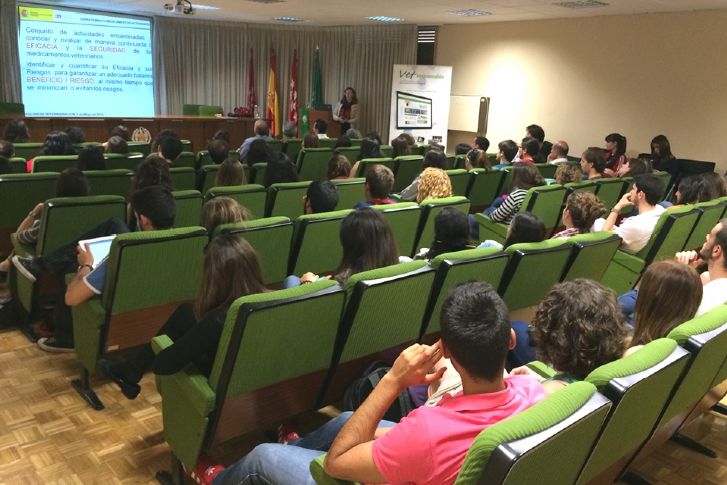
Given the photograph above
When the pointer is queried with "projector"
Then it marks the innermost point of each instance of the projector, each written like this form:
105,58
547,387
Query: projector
181,7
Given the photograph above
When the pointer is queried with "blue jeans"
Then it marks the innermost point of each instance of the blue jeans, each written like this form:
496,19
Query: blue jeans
272,463
524,351
627,302
291,281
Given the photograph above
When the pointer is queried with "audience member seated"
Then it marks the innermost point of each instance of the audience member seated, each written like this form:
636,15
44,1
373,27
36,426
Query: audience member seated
615,153
379,181
370,148
693,189
230,270
338,167
451,233
462,149
506,154
120,130
353,134
367,242
169,148
434,159
476,336
400,147
342,142
7,149
262,132
76,134
668,294
16,131
635,231
222,210
525,227
529,151
661,157
91,158
279,170
718,184
713,253
634,166
568,173
374,135
433,183
218,150
310,140
581,211
116,144
153,207
290,130
524,177
577,328
259,152
222,135
481,143
476,158
593,164
321,196
558,153
71,183
231,173
153,170
320,128
56,143
537,132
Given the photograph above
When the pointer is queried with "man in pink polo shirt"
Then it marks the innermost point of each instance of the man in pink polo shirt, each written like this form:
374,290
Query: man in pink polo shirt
429,445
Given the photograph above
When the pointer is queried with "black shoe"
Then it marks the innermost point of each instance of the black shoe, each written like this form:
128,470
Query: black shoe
28,267
128,389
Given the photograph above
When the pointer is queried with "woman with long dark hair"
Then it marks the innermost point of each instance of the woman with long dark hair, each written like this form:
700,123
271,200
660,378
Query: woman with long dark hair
346,112
615,153
661,156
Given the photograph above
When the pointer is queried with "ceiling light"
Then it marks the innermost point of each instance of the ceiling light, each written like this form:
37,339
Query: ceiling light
470,12
289,19
383,18
581,4
205,7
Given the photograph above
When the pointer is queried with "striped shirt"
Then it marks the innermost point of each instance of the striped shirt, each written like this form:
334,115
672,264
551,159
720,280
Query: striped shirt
510,207
30,235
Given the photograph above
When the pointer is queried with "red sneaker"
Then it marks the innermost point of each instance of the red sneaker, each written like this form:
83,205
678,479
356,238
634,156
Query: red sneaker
286,433
205,470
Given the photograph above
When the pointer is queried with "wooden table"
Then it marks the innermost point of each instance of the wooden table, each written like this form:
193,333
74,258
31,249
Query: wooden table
197,129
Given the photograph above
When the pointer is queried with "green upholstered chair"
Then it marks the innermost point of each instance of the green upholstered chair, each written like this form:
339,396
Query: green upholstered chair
55,163
286,199
140,146
149,274
587,186
610,190
484,264
384,311
591,255
110,182
203,158
186,159
521,286
356,142
257,173
28,150
460,179
244,392
18,165
183,178
367,162
127,161
388,151
404,220
189,208
19,193
351,153
710,214
669,236
666,178
547,170
639,387
210,110
327,142
430,208
551,439
271,238
485,186
207,175
350,192
407,168
63,220
291,147
186,145
252,197
313,163
275,145
316,245
458,162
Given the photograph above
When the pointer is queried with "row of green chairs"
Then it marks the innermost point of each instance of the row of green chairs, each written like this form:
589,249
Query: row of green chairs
592,431
27,151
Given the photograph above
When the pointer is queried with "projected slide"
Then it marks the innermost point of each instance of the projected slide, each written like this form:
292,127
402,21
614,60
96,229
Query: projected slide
76,63
413,111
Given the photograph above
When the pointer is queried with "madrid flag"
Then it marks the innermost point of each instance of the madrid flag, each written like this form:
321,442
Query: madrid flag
293,101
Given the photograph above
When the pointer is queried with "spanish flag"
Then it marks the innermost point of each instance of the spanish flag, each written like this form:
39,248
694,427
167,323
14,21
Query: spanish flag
273,108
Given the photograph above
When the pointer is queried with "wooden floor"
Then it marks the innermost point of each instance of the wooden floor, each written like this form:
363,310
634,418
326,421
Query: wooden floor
48,435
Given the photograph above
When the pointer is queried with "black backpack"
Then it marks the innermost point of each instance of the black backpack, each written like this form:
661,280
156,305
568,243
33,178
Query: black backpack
359,390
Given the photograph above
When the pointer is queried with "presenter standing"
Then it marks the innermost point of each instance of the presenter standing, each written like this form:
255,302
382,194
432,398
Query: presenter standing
346,112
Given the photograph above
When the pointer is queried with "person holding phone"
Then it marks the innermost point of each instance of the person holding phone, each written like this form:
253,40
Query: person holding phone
346,112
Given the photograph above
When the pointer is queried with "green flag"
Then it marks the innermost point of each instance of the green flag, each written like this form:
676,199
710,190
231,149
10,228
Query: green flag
316,98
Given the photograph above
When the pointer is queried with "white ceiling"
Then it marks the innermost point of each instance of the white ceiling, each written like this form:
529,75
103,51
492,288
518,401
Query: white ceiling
421,12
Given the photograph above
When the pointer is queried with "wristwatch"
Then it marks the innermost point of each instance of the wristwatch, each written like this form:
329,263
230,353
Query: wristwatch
81,266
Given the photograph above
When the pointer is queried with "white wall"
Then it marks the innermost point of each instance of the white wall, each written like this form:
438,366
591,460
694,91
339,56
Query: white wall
582,79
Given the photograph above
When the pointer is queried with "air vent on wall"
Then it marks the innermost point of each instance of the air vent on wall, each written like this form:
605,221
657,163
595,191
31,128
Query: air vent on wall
581,4
266,1
470,12
290,19
427,35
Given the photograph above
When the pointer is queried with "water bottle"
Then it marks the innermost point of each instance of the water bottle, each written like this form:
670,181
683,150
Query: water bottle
256,113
